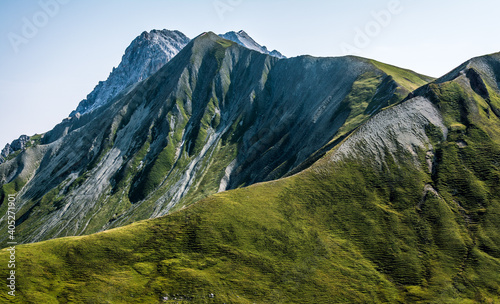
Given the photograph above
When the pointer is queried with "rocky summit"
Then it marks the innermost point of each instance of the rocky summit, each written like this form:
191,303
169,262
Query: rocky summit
243,39
13,149
233,176
144,57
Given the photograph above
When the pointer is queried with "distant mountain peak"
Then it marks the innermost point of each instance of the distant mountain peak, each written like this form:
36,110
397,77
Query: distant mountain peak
143,57
16,146
242,38
147,53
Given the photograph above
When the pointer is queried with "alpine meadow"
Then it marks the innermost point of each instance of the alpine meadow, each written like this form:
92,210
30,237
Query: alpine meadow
213,170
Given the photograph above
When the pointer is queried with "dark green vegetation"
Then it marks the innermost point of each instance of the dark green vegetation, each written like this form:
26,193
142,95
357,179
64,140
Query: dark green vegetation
409,214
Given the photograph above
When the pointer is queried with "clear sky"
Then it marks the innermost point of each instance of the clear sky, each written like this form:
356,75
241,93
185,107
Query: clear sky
53,52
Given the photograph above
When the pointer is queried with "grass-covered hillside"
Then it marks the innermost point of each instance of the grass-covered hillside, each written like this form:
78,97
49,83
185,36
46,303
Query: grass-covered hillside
217,116
404,210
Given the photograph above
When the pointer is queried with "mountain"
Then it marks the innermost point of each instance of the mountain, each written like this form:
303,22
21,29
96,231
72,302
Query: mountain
243,39
217,116
402,209
144,57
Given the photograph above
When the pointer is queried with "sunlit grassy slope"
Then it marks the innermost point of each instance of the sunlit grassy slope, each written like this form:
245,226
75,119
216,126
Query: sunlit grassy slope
352,231
341,232
408,79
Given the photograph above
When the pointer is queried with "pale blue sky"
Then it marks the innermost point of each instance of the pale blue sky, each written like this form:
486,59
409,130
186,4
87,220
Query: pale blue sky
56,67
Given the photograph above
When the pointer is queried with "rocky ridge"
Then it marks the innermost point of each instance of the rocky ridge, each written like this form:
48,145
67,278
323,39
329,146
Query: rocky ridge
145,56
17,145
243,39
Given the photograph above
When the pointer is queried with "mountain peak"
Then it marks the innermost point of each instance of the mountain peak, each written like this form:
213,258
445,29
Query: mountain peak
158,33
242,38
147,53
208,34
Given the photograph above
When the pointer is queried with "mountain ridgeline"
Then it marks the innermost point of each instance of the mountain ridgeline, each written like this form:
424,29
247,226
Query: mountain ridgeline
216,117
351,181
242,38
145,56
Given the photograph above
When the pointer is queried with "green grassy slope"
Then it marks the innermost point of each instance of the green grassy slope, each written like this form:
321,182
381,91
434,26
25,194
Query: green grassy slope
352,231
312,238
344,232
213,105
408,79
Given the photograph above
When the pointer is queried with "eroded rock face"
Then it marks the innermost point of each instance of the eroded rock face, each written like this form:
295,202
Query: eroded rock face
401,127
5,152
20,143
17,145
